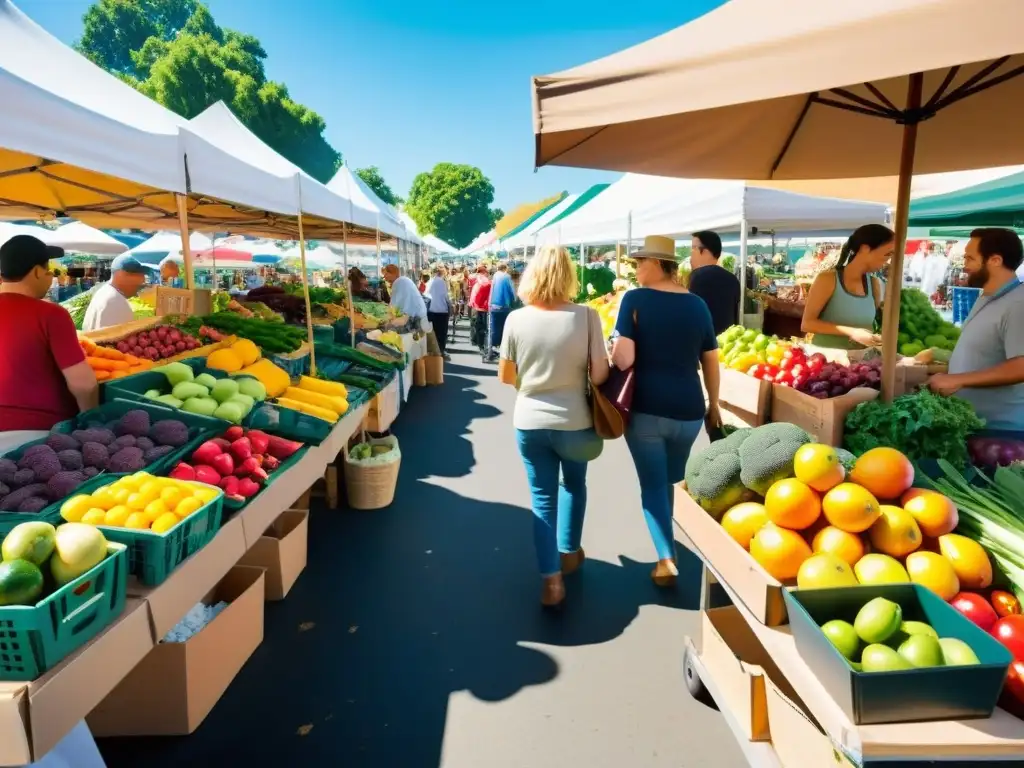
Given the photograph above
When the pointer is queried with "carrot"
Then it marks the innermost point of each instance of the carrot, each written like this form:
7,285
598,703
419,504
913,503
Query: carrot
119,374
101,375
103,364
137,369
132,360
87,344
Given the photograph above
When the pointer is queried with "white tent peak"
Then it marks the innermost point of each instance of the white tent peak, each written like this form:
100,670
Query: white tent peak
348,184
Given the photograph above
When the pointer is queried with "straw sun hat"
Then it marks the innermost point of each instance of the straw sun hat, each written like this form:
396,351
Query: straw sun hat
657,247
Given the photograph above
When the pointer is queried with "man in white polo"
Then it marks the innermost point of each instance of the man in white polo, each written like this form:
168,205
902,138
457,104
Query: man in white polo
987,365
109,305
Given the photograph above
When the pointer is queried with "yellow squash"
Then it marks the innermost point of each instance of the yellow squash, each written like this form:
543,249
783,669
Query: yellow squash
337,404
332,388
276,380
311,410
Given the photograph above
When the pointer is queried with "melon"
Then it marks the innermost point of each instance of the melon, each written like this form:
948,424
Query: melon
21,582
33,541
78,548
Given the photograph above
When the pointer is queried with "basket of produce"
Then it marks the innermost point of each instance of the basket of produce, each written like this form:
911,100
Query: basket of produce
59,588
241,462
160,520
371,473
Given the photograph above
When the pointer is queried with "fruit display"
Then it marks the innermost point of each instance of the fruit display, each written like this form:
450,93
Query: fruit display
108,363
139,501
327,400
741,349
821,379
51,470
880,640
238,462
156,343
607,308
229,398
36,554
921,327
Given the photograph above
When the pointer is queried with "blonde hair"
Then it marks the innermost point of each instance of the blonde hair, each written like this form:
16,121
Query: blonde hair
550,278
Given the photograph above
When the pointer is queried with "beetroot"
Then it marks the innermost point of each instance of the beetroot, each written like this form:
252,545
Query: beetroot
223,463
247,488
206,452
233,433
183,472
241,449
247,467
208,475
259,440
229,485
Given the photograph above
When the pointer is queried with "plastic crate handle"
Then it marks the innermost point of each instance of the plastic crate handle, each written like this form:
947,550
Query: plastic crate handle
84,606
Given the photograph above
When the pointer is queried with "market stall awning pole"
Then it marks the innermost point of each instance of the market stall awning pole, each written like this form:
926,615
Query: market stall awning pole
186,249
305,295
348,285
379,276
583,255
743,268
891,307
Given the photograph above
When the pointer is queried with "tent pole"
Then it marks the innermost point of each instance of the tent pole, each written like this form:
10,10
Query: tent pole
305,295
186,250
348,285
743,267
379,276
891,307
583,255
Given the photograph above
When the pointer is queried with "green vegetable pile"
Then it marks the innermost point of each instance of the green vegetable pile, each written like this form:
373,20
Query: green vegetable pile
921,327
597,275
270,337
920,424
317,295
375,309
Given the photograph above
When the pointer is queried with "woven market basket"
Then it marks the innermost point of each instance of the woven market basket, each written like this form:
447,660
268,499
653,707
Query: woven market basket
372,486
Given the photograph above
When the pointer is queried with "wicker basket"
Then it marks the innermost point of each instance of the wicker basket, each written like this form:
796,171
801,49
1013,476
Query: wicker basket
372,486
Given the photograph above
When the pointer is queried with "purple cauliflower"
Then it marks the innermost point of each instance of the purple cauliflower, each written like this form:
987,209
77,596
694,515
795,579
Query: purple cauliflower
144,443
44,465
63,484
61,442
125,441
33,504
157,452
26,460
169,432
7,470
95,455
90,472
133,423
127,460
13,500
70,459
100,435
23,477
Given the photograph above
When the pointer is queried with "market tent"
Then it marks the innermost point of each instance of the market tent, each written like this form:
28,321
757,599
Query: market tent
479,243
221,255
320,258
164,244
523,236
79,237
578,203
9,230
998,203
513,221
439,245
371,208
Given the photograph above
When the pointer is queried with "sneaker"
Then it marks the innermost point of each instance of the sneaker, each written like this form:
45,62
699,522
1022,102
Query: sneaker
446,357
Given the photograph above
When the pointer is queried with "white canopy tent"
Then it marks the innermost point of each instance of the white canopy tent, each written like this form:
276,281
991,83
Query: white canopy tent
527,236
378,214
438,245
79,237
164,244
9,230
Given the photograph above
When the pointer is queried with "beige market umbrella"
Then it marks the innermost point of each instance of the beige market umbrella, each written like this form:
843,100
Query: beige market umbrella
802,89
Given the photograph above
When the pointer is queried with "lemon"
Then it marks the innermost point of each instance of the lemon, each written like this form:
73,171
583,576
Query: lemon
188,506
155,509
205,495
74,508
137,502
121,495
94,516
165,522
103,497
117,515
130,483
136,520
171,496
151,488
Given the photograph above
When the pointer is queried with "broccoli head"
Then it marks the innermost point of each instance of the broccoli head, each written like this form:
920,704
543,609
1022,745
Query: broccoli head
766,456
169,432
8,468
100,435
127,460
846,458
144,443
124,441
33,504
44,464
135,423
13,500
95,455
70,459
157,452
713,477
58,441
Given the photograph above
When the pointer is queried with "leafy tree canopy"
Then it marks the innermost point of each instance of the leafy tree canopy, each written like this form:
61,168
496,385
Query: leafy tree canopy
452,202
175,53
372,178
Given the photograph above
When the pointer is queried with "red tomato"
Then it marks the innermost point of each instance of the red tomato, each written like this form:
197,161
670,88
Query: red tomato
798,353
769,376
754,370
1012,699
1009,630
799,382
1005,603
787,363
784,377
789,353
816,361
799,369
976,608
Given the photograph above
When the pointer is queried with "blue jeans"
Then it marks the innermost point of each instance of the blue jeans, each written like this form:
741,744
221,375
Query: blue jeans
660,448
496,327
559,503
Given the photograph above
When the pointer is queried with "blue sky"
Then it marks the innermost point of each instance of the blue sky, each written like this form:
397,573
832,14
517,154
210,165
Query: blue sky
404,85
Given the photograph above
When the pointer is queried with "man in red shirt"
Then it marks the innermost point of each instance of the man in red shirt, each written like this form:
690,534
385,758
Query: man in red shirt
44,378
479,301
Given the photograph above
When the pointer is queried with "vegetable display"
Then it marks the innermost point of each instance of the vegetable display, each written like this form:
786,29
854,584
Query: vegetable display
291,306
920,424
108,363
65,552
343,352
157,343
995,451
270,337
230,399
921,327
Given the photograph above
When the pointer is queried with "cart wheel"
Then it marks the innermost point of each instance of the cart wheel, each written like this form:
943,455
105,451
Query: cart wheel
693,681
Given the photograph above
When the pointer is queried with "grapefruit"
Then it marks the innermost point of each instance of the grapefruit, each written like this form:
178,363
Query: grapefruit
880,569
818,466
78,548
825,571
792,504
885,472
895,532
779,551
743,521
969,560
934,572
848,547
935,514
851,507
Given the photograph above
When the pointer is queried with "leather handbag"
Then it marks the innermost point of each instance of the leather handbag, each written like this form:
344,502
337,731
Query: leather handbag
609,403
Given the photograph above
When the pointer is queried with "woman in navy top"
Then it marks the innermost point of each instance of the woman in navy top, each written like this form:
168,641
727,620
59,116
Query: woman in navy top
666,336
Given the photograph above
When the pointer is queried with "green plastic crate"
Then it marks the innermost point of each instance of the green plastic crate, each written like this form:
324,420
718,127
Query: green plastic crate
153,556
289,424
935,693
34,639
291,461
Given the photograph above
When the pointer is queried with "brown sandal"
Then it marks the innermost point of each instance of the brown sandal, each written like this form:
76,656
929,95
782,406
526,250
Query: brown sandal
571,561
665,573
553,592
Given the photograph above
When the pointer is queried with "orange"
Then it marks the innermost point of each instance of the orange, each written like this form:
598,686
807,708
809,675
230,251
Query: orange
743,521
969,559
885,472
850,507
934,572
779,551
913,493
818,465
830,540
935,514
792,504
895,532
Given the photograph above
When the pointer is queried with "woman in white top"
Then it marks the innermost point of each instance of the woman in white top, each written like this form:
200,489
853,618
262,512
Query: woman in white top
547,350
438,309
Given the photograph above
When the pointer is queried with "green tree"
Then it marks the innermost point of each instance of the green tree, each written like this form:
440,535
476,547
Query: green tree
452,202
372,178
175,53
496,215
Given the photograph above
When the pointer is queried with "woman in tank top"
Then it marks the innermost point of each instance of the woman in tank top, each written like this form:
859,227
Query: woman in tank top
842,303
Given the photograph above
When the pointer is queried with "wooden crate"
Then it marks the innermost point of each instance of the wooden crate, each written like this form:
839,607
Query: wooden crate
747,398
823,419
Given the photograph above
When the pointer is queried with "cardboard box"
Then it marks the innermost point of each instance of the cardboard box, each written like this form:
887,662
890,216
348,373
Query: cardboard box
760,593
281,552
797,738
383,409
419,372
823,419
181,301
192,579
746,397
265,508
176,685
36,716
434,370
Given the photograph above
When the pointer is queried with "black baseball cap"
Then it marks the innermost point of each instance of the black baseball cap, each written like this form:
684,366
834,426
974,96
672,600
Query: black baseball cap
20,254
